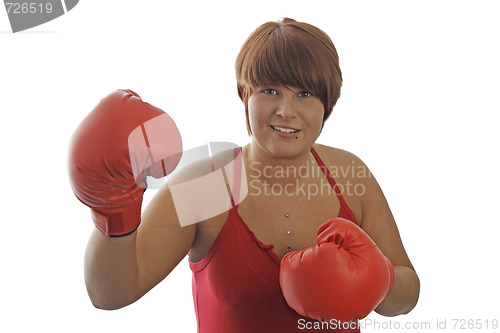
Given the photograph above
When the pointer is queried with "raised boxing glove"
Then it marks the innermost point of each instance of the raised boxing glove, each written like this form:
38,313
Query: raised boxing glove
344,277
120,142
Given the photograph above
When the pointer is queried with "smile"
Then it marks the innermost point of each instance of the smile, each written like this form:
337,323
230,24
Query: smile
284,130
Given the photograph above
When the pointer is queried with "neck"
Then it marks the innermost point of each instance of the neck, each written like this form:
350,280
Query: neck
275,169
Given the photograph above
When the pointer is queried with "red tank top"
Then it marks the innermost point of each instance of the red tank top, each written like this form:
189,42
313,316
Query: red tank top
236,285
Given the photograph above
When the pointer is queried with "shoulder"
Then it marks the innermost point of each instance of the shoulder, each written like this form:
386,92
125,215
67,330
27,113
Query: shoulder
342,163
198,163
355,180
335,153
365,190
199,186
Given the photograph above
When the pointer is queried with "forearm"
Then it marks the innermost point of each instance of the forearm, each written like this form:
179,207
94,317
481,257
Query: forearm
111,270
404,293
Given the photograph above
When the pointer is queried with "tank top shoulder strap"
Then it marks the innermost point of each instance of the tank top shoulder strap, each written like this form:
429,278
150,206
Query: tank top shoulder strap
345,210
237,176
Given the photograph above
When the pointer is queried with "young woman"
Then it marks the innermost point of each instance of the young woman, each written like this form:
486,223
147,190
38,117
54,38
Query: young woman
289,80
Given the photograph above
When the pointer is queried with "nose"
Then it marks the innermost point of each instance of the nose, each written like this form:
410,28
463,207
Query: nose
286,108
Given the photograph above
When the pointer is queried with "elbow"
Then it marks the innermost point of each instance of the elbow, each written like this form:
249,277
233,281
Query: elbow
106,307
106,303
414,295
109,306
404,296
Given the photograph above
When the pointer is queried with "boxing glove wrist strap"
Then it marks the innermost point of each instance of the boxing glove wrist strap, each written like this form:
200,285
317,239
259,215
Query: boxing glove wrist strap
117,224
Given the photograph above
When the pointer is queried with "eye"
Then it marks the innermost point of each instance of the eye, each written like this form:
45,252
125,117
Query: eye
269,91
304,94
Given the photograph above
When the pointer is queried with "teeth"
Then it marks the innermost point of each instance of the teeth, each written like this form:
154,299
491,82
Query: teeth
285,130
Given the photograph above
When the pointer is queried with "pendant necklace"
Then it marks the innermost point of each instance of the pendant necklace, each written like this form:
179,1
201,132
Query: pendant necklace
288,232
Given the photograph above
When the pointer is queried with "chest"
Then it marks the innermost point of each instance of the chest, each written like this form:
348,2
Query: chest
289,223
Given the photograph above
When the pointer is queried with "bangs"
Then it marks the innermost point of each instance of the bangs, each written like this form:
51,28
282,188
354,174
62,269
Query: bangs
282,59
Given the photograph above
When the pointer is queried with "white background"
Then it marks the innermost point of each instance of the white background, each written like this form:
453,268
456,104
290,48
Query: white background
421,89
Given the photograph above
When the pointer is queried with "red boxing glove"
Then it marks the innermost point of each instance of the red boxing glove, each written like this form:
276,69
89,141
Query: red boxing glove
120,142
344,277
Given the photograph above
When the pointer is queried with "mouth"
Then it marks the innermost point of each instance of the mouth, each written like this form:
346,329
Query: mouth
284,129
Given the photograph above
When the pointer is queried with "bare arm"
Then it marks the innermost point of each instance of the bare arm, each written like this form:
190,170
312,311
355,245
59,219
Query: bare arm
378,222
119,271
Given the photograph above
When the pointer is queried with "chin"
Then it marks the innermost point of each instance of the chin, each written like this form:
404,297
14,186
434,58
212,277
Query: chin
287,151
282,148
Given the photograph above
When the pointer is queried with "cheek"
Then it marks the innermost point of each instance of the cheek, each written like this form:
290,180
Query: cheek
251,113
315,117
256,113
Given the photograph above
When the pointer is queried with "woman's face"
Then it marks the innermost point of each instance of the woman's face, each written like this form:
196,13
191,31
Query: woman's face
285,121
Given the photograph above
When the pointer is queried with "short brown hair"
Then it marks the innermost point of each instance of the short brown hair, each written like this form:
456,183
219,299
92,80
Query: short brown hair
293,54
